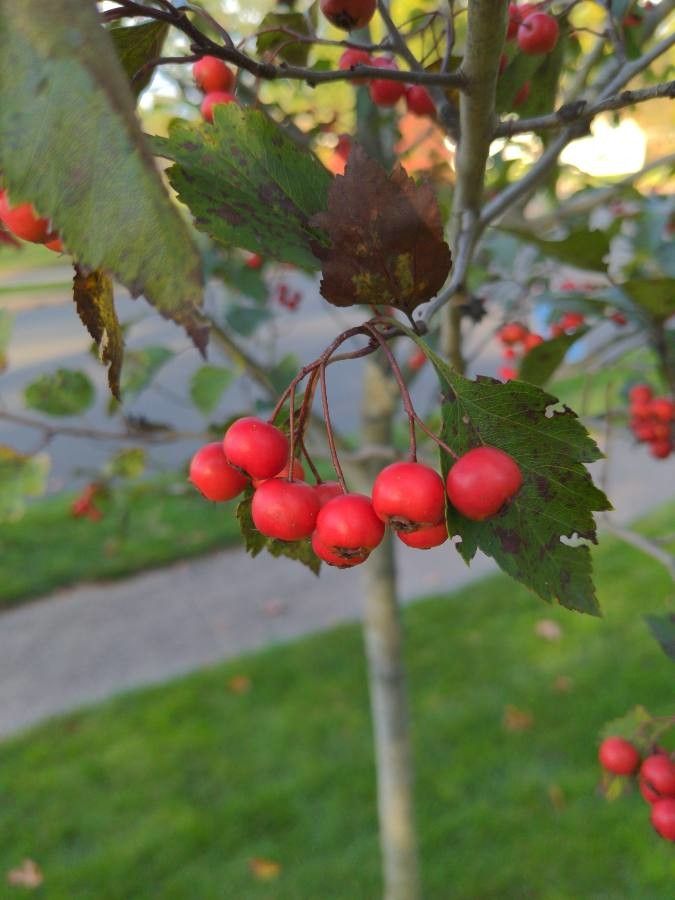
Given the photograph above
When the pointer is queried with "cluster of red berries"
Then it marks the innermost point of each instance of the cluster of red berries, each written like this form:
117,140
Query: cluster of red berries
216,79
517,340
387,93
84,506
23,222
567,323
345,527
652,420
655,776
287,298
534,31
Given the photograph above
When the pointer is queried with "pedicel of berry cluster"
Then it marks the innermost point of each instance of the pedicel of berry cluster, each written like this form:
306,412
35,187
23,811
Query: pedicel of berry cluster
641,758
652,420
408,496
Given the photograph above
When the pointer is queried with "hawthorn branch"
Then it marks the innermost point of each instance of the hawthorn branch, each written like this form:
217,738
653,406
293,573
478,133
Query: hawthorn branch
582,110
642,543
150,436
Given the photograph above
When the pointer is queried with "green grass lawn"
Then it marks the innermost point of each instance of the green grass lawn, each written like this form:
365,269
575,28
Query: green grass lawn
147,524
169,793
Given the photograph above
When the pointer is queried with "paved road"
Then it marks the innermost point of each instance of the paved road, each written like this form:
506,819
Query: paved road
85,644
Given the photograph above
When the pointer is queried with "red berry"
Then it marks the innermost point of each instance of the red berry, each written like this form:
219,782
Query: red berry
522,95
23,221
348,14
386,93
327,490
285,510
416,360
55,244
212,74
658,773
425,538
256,447
662,409
348,526
516,16
481,481
640,393
408,496
255,261
512,333
618,756
335,559
618,318
353,57
211,473
644,431
571,320
419,102
507,373
509,353
538,33
661,449
663,818
215,98
298,474
531,341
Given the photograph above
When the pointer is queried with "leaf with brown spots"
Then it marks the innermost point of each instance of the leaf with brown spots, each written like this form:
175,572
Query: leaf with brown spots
93,296
386,238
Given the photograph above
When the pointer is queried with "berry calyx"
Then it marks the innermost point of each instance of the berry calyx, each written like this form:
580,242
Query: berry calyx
215,98
212,74
348,526
212,474
256,447
663,817
382,92
353,57
348,14
335,559
327,490
618,756
425,538
408,496
419,102
481,481
285,510
658,773
23,221
538,33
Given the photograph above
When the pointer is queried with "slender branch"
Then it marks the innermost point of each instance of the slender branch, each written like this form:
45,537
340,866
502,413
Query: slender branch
581,110
464,245
633,68
642,543
152,436
329,428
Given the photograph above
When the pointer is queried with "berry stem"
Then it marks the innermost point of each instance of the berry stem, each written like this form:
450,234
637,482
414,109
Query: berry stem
329,428
405,393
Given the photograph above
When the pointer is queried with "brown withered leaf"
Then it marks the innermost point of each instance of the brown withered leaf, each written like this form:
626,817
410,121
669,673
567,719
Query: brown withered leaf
93,296
264,869
27,875
386,238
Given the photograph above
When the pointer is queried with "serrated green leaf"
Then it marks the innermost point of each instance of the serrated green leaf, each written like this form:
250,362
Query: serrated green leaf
663,629
274,40
247,184
128,463
70,134
94,301
66,392
6,325
256,542
20,476
657,296
141,366
207,386
583,249
637,726
137,45
541,363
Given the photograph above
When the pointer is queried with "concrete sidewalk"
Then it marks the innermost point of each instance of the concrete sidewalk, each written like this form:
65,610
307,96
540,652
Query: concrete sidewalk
83,644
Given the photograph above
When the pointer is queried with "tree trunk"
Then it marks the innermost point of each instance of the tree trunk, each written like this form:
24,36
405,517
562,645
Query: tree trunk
386,672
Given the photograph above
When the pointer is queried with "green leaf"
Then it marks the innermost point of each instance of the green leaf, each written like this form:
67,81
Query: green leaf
93,296
207,386
520,68
137,45
64,97
638,726
247,184
20,476
582,249
663,629
66,392
657,296
129,463
141,366
541,363
246,319
277,43
256,542
6,325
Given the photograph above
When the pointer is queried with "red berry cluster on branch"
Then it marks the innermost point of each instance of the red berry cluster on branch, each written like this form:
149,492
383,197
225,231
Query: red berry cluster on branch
216,79
388,93
23,222
517,340
344,527
652,420
655,777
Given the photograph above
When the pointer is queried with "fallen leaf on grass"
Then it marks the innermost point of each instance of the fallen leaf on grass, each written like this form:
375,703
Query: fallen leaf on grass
557,797
562,684
515,719
28,875
264,869
239,684
548,629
